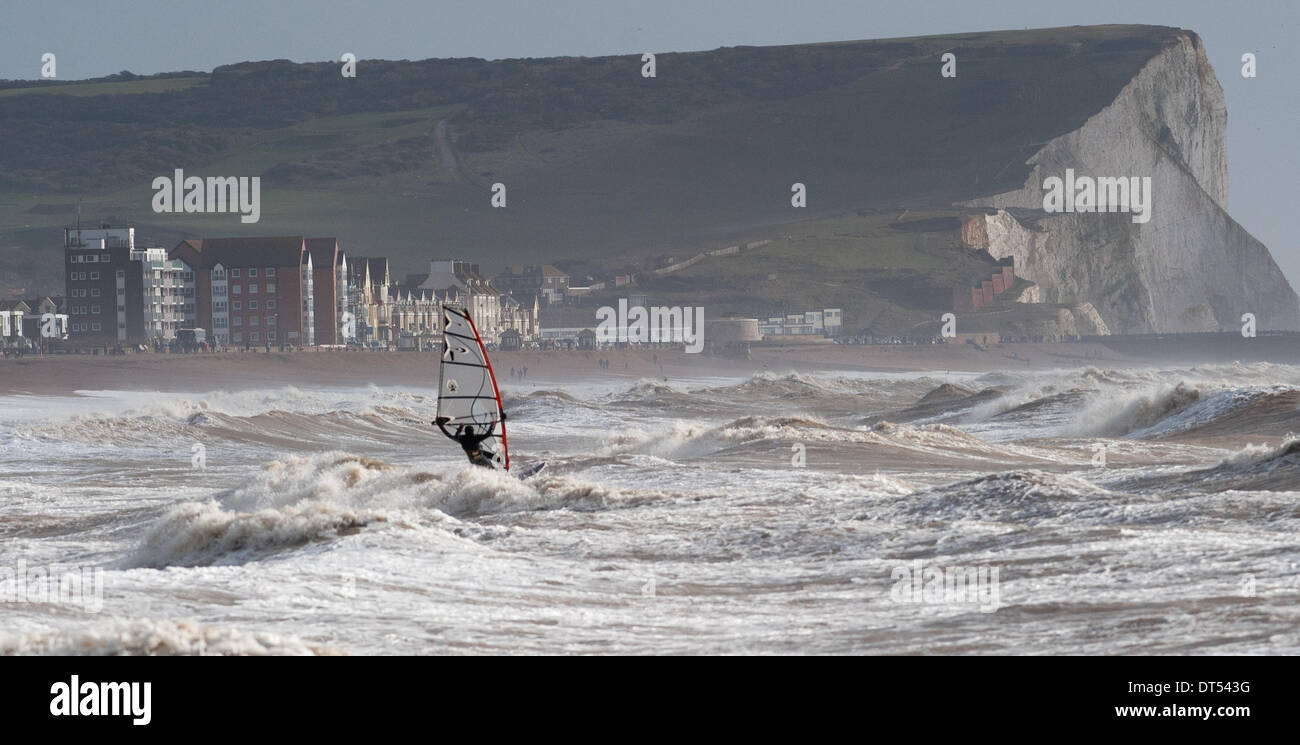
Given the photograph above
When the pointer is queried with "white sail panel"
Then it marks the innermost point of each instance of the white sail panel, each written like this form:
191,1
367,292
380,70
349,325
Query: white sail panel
467,388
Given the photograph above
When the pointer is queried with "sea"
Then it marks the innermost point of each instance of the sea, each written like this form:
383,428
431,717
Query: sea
1081,511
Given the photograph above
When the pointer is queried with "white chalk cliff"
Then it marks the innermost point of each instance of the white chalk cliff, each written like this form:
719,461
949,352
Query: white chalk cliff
1191,267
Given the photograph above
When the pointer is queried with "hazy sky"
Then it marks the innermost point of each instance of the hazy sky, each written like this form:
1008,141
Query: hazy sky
99,37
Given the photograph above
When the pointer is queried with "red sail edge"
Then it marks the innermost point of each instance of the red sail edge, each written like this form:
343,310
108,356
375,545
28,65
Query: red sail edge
505,444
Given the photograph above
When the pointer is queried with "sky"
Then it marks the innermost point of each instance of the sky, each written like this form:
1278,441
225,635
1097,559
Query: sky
92,38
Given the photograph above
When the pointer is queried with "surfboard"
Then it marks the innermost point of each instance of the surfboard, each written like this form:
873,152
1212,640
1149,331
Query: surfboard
467,387
531,469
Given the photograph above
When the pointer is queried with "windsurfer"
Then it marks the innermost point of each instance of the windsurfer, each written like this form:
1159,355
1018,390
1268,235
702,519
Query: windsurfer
471,443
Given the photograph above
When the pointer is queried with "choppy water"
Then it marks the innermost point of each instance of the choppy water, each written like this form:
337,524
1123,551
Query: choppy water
673,517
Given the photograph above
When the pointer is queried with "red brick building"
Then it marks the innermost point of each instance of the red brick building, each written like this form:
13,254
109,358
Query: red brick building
326,261
252,291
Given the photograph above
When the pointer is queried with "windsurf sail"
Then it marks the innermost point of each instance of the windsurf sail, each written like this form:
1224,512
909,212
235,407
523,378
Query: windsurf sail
467,388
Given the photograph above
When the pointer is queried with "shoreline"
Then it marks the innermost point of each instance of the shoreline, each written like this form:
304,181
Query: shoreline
65,374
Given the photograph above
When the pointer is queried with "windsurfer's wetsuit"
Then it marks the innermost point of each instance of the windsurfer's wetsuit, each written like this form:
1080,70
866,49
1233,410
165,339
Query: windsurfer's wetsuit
470,443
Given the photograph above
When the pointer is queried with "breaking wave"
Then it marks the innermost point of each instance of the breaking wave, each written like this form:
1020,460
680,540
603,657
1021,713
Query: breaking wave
158,638
281,417
1253,468
1017,496
302,500
690,439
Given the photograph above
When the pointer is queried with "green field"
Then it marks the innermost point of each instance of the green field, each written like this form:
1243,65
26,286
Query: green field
113,88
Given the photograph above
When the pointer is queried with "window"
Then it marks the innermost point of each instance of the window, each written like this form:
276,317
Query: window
270,320
270,336
252,336
270,271
237,305
95,310
218,306
270,289
94,275
96,327
121,309
234,273
94,292
237,321
238,337
72,276
252,273
90,258
252,289
235,289
103,258
219,274
252,305
121,274
270,305
252,320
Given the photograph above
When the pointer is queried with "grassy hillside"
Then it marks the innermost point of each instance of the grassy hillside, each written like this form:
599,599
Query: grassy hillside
887,270
597,160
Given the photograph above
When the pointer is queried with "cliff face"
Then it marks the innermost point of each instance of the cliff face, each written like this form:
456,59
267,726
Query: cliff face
1191,267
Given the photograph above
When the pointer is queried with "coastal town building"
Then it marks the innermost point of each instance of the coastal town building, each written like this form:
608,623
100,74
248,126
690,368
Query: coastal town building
252,291
118,292
328,265
826,322
46,324
519,316
545,281
12,313
368,283
277,290
461,282
982,293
